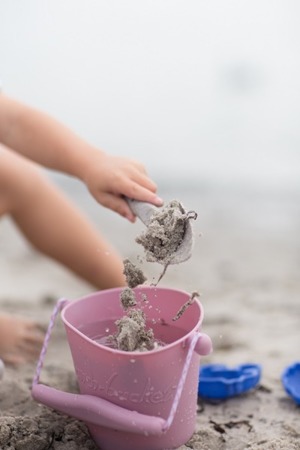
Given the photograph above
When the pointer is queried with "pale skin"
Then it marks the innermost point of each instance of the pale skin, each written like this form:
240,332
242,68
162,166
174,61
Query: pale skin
50,222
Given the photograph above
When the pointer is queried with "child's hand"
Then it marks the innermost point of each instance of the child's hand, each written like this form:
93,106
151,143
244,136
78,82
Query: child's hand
42,139
110,178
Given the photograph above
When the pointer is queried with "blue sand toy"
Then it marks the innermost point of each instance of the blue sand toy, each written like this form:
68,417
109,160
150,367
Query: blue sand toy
217,381
291,381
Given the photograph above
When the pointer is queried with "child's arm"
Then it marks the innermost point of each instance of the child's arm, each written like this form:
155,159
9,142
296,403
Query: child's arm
49,143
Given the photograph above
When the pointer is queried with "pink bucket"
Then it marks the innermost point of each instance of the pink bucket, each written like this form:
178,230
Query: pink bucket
132,400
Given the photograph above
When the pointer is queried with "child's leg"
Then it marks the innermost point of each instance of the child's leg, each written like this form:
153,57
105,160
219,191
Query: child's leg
20,339
54,226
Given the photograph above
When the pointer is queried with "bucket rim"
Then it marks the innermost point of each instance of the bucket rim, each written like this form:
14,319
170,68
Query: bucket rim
135,354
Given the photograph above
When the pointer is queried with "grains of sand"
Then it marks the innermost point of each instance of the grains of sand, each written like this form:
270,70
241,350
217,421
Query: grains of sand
134,275
127,298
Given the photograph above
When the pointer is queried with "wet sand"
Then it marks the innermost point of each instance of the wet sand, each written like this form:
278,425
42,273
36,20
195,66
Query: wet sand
245,265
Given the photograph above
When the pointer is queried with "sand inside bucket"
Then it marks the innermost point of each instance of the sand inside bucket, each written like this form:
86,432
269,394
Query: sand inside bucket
160,241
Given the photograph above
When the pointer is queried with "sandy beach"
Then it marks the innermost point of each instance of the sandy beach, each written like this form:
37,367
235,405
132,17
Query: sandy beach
245,264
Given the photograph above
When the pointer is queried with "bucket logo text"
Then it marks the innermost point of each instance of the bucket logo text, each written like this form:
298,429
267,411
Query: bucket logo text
148,394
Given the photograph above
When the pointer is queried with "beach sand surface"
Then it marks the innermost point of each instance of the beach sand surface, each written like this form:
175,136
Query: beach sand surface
245,264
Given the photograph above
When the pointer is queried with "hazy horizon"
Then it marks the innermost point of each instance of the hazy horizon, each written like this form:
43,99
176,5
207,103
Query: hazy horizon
201,92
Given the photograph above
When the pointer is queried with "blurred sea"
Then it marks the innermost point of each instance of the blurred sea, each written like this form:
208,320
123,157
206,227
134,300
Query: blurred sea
203,93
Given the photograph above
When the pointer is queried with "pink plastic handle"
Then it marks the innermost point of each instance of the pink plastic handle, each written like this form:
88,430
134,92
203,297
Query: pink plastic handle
98,411
203,345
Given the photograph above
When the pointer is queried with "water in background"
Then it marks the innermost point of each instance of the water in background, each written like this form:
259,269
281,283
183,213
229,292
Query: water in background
201,92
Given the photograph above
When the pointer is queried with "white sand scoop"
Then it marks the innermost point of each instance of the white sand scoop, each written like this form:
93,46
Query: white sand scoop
169,237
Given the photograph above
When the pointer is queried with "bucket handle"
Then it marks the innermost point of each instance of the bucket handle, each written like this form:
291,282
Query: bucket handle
100,412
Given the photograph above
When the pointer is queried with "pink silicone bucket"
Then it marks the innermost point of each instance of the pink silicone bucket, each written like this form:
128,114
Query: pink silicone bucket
131,400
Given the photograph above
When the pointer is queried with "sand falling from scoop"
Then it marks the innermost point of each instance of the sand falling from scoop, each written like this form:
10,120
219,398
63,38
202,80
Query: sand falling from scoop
163,236
133,274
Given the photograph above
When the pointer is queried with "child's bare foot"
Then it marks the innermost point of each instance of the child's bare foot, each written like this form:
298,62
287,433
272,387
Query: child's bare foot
20,340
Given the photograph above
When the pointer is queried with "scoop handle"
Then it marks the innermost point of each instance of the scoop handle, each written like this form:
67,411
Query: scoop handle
142,210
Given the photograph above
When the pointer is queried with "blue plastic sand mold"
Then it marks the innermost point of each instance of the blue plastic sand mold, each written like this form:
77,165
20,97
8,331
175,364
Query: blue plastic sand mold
217,381
291,381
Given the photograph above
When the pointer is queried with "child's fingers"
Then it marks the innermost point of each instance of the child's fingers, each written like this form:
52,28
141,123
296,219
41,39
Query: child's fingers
31,341
34,338
14,360
117,204
143,180
138,192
